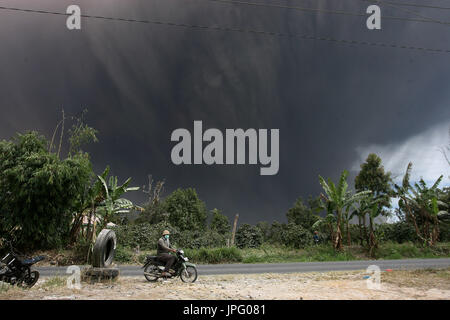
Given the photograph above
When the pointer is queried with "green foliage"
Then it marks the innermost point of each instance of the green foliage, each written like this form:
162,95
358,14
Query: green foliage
275,233
38,191
248,236
264,227
302,215
419,203
220,222
338,201
214,255
81,134
389,250
280,254
112,204
372,177
123,255
398,232
153,213
296,236
146,236
186,211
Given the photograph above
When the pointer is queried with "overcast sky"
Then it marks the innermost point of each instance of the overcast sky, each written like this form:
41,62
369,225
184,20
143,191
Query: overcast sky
333,103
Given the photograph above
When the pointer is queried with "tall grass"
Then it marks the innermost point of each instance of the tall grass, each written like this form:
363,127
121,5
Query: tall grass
273,254
278,254
214,255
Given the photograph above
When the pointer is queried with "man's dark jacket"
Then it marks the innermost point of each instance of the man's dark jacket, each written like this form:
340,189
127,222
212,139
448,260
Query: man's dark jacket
163,246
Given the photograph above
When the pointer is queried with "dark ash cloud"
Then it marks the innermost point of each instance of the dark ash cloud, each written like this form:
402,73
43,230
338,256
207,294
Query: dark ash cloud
140,82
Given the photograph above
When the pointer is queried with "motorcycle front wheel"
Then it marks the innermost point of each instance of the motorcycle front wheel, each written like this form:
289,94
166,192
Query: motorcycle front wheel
151,273
189,274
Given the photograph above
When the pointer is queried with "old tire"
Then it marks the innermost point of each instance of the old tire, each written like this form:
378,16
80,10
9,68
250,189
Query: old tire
104,249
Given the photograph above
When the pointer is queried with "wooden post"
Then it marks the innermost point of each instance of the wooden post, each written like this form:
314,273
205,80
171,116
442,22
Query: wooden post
234,228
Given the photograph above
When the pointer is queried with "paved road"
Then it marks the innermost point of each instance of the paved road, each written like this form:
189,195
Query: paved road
407,264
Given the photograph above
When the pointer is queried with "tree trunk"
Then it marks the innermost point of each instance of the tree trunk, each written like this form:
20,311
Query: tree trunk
349,240
234,229
373,243
75,228
360,231
88,227
366,235
338,240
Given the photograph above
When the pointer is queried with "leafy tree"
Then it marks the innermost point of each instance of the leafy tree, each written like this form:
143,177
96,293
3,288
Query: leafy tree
153,213
220,222
38,191
337,199
372,177
80,134
302,214
276,232
248,236
264,227
185,210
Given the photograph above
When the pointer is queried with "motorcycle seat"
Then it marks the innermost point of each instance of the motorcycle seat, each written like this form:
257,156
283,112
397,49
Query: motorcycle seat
33,260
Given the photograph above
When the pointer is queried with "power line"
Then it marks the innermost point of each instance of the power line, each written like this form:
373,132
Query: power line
406,4
327,11
231,29
406,10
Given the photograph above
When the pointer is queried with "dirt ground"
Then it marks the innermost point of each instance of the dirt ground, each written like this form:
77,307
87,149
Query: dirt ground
423,284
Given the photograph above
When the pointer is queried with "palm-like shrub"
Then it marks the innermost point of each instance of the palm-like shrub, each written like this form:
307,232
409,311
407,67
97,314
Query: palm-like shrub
421,205
338,200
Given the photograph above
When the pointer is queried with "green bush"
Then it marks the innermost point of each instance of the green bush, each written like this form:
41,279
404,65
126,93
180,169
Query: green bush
215,255
248,236
123,255
444,233
39,192
294,235
399,232
146,235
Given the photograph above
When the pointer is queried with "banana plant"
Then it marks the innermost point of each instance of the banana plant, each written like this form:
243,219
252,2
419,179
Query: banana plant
421,205
113,203
339,199
369,207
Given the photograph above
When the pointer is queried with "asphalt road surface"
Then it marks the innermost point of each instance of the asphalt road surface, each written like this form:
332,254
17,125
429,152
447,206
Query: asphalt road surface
406,264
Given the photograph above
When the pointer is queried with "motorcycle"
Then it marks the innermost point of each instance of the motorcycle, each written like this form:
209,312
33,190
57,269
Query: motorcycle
153,268
17,271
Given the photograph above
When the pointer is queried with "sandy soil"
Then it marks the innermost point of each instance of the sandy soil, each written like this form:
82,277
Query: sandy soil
425,284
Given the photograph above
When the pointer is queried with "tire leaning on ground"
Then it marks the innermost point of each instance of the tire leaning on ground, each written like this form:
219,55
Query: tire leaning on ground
104,248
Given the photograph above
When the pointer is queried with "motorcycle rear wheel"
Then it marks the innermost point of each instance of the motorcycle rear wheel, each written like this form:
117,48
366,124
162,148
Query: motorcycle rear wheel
30,280
189,275
151,273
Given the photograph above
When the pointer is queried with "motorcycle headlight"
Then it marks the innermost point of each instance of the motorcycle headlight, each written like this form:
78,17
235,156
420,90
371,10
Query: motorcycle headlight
186,259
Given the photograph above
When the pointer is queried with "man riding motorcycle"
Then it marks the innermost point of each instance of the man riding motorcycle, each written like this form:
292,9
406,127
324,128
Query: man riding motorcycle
163,254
